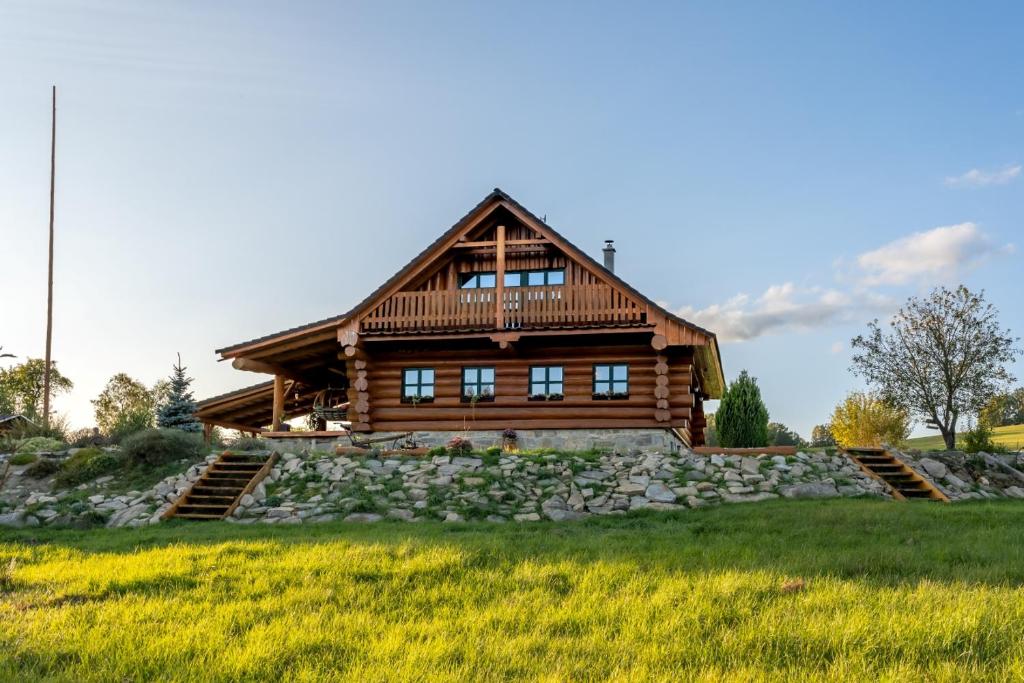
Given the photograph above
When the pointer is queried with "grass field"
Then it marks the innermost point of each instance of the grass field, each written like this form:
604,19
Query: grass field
889,591
1011,436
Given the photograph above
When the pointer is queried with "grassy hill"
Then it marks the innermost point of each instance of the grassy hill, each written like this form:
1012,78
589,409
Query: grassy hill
1011,436
837,590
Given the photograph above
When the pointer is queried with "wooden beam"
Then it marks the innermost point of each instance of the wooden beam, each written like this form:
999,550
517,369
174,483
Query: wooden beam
278,402
494,243
499,281
250,365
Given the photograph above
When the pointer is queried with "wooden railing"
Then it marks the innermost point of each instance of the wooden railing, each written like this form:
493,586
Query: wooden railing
522,307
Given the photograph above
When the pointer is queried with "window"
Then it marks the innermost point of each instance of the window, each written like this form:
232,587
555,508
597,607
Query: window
611,381
535,278
478,384
417,385
477,280
546,383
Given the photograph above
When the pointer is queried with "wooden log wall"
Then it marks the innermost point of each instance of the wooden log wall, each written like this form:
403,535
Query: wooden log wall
659,390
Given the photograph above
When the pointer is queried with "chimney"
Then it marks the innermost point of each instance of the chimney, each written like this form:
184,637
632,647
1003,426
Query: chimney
609,255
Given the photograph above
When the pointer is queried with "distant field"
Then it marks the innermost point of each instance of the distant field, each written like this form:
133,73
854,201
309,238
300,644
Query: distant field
1011,436
837,590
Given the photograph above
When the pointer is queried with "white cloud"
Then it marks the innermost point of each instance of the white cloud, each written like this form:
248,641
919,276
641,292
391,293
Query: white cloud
979,178
782,307
838,347
933,255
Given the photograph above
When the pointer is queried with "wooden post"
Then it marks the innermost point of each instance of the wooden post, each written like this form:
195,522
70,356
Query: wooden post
207,433
49,277
499,284
278,402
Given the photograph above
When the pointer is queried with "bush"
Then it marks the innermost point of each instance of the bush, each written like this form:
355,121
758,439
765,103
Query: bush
23,458
867,420
40,444
246,443
86,437
460,445
41,468
87,464
129,423
436,451
161,446
741,420
493,451
979,440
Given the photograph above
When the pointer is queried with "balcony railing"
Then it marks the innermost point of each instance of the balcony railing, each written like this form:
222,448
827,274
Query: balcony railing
521,308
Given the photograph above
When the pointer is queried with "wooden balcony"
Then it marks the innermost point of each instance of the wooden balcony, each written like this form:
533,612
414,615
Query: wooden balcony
520,308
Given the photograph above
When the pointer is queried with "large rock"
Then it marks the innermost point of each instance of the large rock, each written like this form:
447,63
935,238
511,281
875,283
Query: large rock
363,517
14,519
660,493
556,515
934,468
813,489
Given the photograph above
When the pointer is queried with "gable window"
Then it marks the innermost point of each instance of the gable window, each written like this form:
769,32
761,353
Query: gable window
535,278
417,385
546,383
477,384
477,280
611,381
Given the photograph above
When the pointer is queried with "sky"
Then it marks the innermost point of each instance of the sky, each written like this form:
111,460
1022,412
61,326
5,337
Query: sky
780,173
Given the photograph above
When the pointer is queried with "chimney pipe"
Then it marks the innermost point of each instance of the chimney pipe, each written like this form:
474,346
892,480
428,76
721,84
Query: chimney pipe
609,255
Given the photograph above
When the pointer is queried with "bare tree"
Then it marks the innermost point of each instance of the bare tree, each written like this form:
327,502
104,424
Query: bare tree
944,357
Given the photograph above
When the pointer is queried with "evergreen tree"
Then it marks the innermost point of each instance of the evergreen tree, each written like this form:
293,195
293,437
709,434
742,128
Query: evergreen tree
178,412
741,418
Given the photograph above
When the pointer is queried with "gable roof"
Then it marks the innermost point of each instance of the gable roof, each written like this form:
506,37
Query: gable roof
496,197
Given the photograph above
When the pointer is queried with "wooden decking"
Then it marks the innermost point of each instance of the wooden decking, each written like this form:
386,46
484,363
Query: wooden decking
904,483
216,494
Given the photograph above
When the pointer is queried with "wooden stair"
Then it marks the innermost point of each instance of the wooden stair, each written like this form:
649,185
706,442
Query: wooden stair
903,482
217,493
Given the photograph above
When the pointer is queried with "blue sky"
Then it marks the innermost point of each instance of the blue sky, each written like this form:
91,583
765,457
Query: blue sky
781,174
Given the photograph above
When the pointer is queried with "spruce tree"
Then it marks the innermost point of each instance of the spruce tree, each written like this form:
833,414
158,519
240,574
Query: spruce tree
741,418
178,412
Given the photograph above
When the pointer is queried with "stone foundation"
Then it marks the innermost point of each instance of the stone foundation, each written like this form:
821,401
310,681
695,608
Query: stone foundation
616,440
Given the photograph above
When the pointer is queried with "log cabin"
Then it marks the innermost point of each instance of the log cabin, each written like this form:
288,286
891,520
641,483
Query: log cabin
501,323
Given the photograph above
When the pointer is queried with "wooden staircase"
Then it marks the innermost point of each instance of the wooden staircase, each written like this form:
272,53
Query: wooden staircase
903,482
216,494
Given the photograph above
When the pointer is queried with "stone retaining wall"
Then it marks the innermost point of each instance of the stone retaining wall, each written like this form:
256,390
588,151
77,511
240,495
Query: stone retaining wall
323,487
621,440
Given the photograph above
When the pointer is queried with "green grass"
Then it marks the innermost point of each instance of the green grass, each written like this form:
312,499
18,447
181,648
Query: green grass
892,592
1011,436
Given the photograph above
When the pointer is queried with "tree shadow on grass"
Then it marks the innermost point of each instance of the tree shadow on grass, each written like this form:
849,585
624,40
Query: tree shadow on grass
878,542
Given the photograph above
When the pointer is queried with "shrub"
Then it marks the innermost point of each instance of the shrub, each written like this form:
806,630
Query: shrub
246,443
436,451
460,445
979,440
87,464
493,451
83,438
742,419
41,468
40,444
23,459
161,446
868,420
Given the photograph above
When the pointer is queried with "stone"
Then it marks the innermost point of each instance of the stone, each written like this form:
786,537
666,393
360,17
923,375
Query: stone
934,468
813,489
363,517
660,493
97,499
750,465
14,519
631,488
527,517
399,513
453,517
247,501
557,515
955,481
279,512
